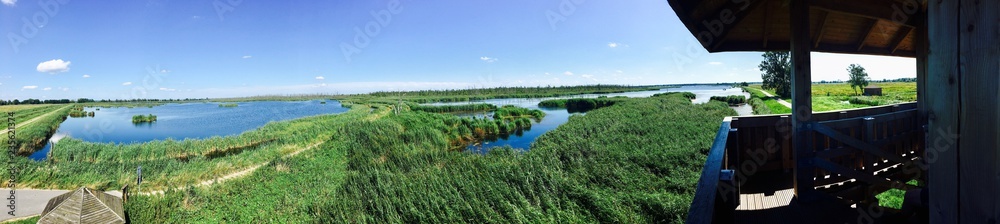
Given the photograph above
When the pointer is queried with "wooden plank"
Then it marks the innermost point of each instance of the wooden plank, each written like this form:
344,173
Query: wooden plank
822,27
801,100
739,12
871,29
872,179
868,148
702,208
879,10
942,95
979,113
900,36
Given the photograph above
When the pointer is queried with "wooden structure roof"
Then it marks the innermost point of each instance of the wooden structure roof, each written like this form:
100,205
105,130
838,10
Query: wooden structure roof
84,206
874,27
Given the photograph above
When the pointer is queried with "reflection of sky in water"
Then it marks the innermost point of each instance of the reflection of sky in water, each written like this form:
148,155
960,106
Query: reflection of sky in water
184,120
555,117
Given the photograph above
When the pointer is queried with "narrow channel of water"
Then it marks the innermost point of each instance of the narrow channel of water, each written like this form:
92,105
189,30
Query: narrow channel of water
555,117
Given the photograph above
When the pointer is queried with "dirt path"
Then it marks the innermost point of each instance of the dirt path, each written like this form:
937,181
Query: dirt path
236,174
22,124
781,101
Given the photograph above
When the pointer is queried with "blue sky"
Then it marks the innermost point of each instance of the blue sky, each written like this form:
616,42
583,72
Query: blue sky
224,48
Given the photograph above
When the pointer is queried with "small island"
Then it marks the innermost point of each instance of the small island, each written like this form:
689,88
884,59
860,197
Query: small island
138,119
229,105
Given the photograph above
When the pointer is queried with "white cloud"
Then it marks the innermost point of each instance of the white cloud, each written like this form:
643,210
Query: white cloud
715,63
167,89
53,66
64,89
86,76
488,59
9,2
47,88
247,56
126,83
320,78
29,87
164,71
612,45
195,17
587,76
547,73
568,73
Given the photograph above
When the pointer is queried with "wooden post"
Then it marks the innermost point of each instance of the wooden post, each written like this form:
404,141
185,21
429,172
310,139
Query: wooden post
978,111
801,101
963,122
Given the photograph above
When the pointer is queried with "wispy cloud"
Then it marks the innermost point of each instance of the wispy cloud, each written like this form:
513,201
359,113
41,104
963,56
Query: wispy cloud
167,89
9,2
488,59
715,63
616,45
568,73
29,87
587,76
247,56
86,76
53,66
47,88
320,78
164,71
126,83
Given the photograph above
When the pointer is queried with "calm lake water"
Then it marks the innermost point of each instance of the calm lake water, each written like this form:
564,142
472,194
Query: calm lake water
183,120
203,120
555,117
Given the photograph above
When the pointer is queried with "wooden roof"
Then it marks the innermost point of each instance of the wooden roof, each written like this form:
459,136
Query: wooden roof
875,27
83,206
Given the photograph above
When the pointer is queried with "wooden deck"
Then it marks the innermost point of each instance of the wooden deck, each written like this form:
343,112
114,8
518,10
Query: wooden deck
769,198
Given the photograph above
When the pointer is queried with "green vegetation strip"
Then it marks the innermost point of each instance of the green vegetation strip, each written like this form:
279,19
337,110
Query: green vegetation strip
635,162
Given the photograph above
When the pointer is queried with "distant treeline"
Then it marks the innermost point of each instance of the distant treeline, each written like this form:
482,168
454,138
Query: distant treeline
429,96
86,100
875,80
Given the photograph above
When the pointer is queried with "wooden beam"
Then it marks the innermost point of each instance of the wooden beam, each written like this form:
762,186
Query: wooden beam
739,12
878,10
801,101
897,41
861,44
822,24
942,97
978,111
763,32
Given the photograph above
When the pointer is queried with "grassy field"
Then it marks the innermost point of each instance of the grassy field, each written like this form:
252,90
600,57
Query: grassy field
635,161
839,96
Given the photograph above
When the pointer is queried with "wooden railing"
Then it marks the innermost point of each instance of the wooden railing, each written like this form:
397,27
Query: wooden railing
716,192
855,150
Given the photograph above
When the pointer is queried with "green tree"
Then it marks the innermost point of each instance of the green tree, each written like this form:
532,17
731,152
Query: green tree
776,72
859,78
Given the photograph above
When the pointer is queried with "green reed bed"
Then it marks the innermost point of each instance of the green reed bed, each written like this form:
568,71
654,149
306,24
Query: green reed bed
635,162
